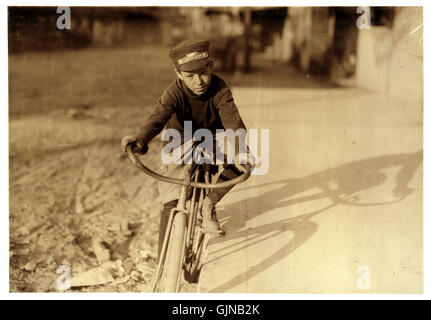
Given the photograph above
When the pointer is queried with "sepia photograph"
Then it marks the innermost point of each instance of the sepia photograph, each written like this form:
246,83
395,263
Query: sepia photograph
243,149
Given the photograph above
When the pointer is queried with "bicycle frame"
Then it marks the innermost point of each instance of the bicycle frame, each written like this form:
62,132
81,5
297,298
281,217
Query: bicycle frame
189,245
191,215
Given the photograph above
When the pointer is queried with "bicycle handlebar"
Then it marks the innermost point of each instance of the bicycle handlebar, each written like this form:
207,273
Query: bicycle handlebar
221,185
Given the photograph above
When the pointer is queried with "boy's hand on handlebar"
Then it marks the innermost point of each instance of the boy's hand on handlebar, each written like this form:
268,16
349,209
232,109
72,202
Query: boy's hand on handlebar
244,167
137,146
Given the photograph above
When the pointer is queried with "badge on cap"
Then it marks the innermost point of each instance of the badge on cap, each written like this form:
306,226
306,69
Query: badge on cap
192,56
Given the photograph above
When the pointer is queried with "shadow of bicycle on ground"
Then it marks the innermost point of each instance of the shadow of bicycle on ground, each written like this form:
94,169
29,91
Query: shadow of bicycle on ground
359,183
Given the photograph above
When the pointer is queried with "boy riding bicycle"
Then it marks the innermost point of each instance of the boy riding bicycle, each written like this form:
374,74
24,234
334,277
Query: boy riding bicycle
204,99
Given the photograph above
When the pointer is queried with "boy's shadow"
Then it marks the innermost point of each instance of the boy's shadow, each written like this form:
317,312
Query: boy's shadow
340,185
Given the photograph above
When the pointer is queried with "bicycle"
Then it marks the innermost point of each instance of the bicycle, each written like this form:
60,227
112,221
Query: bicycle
184,239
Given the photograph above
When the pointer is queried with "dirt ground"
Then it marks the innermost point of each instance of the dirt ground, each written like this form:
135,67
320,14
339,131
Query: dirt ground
75,199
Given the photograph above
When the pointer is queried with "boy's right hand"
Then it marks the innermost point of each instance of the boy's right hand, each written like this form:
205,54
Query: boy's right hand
137,146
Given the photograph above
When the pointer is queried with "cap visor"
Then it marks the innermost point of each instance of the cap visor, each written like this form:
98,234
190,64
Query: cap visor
194,65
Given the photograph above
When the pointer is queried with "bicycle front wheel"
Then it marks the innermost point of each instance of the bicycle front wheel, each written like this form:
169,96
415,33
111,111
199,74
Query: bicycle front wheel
170,278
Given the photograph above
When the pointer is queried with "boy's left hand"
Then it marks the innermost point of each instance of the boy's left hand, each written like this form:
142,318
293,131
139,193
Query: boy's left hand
137,146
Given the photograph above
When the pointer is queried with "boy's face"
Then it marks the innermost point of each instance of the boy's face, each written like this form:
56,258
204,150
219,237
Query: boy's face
197,81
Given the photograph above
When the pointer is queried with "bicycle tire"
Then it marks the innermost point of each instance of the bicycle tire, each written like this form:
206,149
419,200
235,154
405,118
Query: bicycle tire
169,280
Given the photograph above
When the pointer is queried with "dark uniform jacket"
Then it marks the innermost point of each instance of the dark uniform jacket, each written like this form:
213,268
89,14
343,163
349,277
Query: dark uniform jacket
215,109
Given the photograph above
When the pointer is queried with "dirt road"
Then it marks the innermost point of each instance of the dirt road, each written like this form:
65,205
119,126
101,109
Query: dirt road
340,210
343,193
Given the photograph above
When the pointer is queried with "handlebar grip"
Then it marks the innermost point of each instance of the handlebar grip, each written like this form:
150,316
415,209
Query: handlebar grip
132,156
221,185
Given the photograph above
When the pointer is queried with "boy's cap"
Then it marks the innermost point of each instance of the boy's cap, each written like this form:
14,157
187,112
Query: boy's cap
190,55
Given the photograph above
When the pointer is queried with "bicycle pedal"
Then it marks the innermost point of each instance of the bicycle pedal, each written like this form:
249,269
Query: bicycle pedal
218,233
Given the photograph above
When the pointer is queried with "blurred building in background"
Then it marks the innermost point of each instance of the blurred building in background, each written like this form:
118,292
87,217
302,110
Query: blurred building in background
318,40
35,28
386,57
